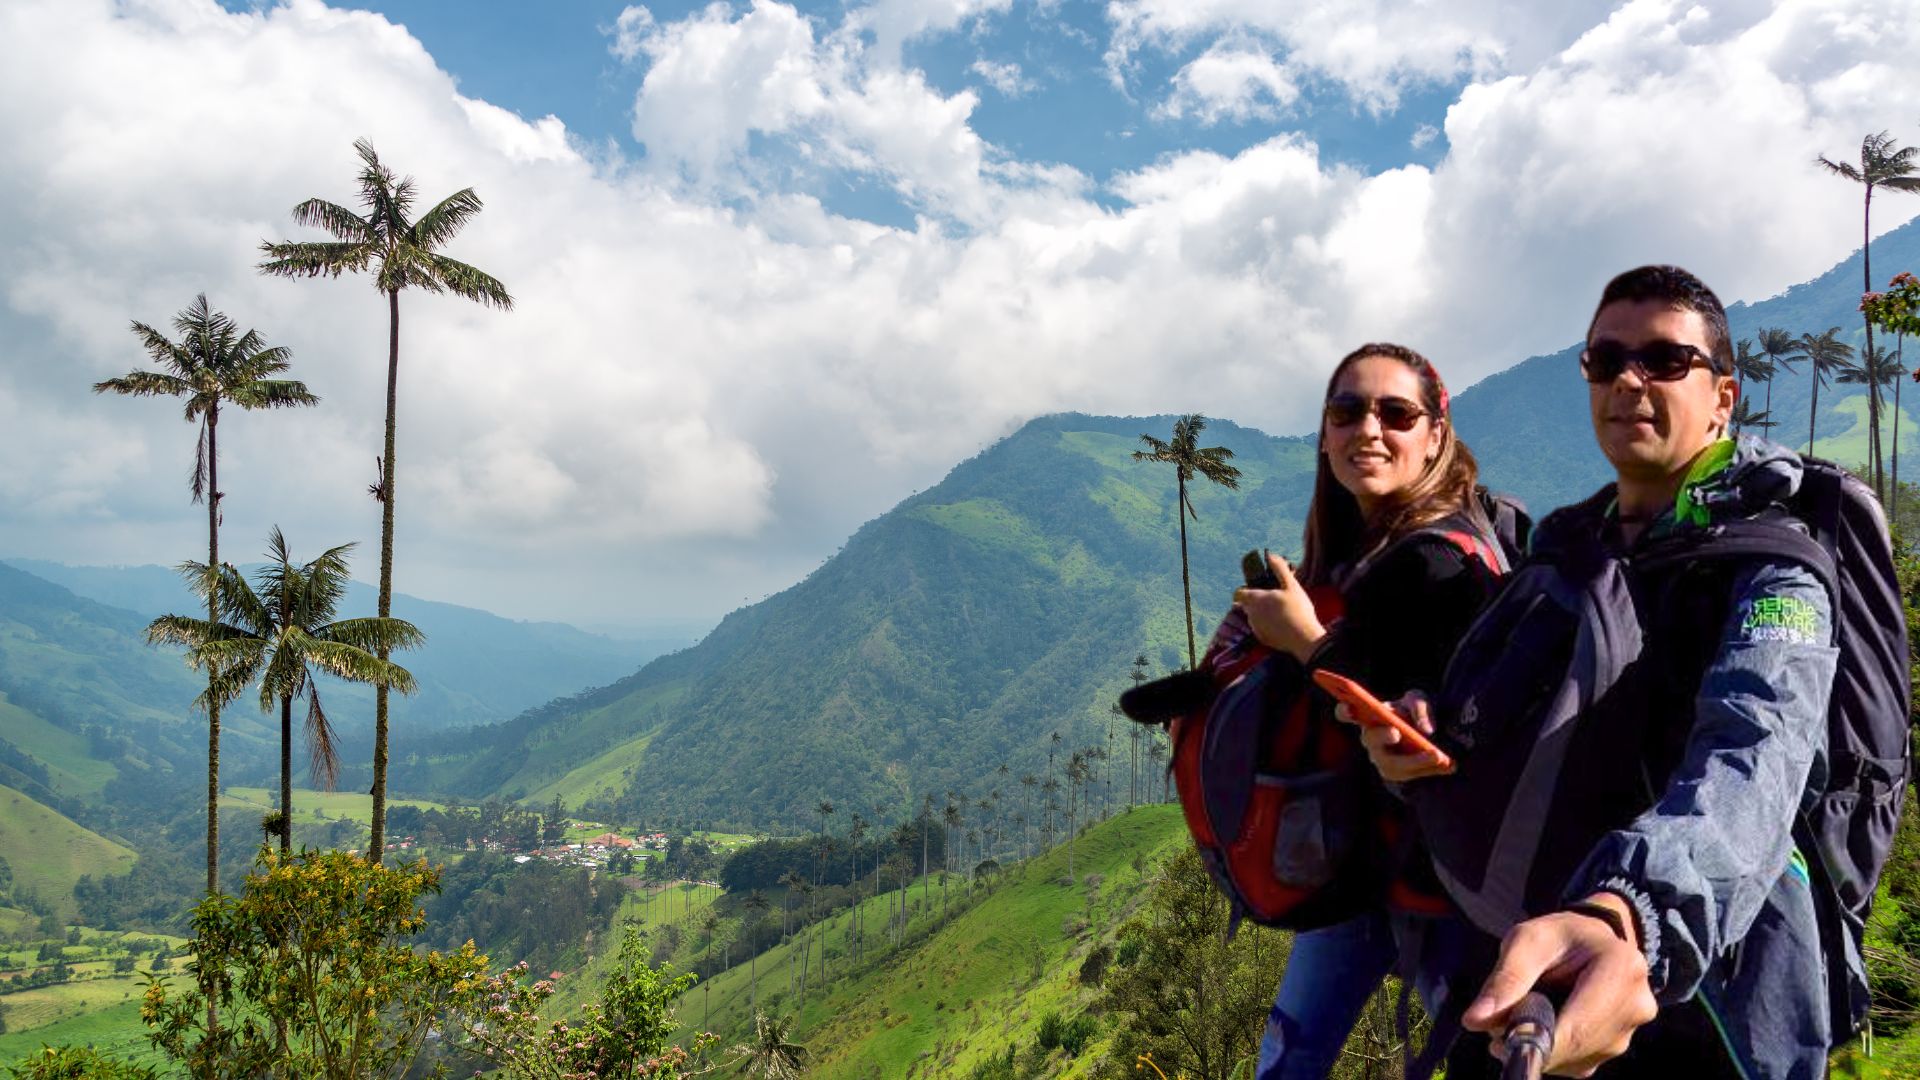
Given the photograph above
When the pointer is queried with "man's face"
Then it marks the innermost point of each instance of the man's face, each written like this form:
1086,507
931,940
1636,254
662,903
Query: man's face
1651,430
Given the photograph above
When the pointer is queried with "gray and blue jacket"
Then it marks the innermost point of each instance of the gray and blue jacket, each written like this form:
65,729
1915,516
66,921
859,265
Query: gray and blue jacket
1723,896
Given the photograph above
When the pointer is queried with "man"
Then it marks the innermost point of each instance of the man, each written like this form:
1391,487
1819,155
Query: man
1688,941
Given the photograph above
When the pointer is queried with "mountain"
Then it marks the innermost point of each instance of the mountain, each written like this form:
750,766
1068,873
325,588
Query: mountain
1529,425
950,636
955,634
476,667
47,853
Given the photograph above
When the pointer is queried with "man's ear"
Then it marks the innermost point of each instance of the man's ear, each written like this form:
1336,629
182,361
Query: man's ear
1726,396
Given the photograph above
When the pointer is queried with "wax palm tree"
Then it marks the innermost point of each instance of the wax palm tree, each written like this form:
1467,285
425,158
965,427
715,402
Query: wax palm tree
1826,355
1882,165
1189,459
403,253
1746,416
1782,351
213,363
770,1056
1873,368
756,905
278,631
1749,367
709,922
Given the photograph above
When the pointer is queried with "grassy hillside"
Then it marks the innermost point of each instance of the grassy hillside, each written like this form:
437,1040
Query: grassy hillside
957,992
48,852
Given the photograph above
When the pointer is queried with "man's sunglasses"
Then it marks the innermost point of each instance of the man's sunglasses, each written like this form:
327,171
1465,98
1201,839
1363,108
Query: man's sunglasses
1656,361
1395,413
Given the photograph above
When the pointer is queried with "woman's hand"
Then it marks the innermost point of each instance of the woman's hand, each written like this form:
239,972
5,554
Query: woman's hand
1396,762
1282,618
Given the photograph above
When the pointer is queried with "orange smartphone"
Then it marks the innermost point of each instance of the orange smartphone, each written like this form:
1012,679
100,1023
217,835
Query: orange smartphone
1373,712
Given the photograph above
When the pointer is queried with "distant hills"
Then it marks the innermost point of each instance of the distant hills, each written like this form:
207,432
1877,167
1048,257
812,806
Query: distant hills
956,633
476,667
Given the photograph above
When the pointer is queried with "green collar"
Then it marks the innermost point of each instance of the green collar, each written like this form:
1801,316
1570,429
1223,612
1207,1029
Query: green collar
1708,464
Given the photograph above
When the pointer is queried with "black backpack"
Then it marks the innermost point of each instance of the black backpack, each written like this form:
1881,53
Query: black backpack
1282,806
1554,674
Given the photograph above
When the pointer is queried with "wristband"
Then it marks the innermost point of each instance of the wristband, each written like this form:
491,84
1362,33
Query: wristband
1596,910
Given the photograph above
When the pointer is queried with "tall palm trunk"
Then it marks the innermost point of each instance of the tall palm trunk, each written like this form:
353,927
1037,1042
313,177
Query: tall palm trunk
213,701
286,773
1893,490
1813,409
213,616
378,848
1186,587
1866,275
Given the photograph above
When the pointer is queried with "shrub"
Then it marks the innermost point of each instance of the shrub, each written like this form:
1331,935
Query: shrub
76,1063
1094,967
1051,1029
1076,1034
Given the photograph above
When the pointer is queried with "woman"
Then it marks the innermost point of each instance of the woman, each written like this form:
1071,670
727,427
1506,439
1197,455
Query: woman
1393,480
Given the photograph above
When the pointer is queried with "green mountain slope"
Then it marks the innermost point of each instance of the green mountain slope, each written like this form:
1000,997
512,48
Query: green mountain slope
949,636
49,852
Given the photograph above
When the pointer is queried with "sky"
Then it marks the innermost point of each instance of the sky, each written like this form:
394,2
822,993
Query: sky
777,267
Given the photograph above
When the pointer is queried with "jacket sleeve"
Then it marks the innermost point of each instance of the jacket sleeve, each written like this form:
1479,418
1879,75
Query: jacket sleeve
1699,864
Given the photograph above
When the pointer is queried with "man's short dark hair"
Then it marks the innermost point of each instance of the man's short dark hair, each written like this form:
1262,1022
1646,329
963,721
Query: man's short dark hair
1683,292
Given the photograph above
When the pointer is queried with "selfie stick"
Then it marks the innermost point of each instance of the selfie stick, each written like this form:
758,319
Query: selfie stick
1529,1038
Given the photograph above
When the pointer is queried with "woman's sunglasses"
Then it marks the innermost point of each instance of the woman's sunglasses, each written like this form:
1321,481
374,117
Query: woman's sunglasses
1395,413
1656,361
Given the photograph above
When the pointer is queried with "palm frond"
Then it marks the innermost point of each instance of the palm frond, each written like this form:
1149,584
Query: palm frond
445,220
274,394
468,282
1844,169
358,665
344,225
323,765
314,259
372,634
145,384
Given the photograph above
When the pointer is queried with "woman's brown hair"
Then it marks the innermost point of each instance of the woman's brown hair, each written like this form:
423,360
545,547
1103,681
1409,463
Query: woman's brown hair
1337,533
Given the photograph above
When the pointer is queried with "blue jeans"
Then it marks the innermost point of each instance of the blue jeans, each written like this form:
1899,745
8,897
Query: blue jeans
1330,974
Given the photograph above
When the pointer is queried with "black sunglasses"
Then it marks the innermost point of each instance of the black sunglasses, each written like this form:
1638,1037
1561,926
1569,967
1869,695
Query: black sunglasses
1656,361
1395,413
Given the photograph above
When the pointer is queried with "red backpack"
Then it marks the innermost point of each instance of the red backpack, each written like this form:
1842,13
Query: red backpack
1284,807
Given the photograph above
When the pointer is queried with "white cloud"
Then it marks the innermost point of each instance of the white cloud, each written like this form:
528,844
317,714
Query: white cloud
1007,78
1236,81
1376,49
1423,136
709,378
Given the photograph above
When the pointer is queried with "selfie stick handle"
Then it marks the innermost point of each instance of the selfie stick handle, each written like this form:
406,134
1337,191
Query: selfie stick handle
1529,1038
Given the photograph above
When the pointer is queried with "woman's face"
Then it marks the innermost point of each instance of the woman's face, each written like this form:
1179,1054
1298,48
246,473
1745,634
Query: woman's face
1368,457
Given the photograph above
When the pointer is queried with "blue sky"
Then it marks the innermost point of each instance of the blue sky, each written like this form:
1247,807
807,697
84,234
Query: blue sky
540,59
777,268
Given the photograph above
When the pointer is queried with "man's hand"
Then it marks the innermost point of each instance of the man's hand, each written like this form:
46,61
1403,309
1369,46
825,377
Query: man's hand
1282,618
1608,995
1396,762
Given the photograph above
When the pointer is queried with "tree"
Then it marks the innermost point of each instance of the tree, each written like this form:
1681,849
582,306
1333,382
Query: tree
1749,367
756,905
310,959
1873,368
1825,354
1188,460
1745,416
403,252
1898,311
1884,165
770,1056
1183,990
279,634
709,923
1782,351
214,362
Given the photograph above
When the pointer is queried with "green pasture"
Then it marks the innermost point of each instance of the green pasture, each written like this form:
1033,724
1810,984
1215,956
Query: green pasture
71,767
49,852
113,1027
312,807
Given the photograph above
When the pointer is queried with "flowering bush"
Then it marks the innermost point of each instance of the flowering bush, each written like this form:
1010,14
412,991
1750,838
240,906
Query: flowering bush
625,1036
